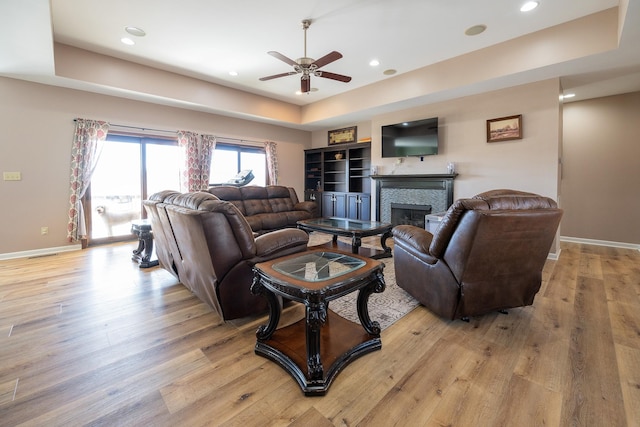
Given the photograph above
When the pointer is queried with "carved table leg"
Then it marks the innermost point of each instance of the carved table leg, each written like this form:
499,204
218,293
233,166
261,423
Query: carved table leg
316,317
376,286
356,241
265,332
383,242
142,254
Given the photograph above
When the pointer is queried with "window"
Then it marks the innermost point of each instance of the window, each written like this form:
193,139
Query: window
229,159
128,171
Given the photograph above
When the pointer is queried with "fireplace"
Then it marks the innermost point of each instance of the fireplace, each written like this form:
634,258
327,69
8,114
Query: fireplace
409,214
435,191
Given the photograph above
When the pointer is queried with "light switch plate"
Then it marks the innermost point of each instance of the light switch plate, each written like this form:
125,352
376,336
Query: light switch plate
11,176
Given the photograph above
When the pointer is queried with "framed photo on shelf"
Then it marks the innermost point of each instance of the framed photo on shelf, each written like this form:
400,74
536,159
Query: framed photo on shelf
504,128
343,136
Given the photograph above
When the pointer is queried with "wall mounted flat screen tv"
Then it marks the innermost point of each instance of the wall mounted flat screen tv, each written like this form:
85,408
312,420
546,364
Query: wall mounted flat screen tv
416,138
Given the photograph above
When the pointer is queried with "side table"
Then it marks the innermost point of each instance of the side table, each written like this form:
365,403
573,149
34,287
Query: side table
142,254
315,349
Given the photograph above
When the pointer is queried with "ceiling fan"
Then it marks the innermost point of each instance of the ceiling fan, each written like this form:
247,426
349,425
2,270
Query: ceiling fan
308,66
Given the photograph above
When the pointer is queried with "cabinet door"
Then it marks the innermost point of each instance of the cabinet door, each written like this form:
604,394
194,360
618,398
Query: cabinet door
365,207
334,204
359,206
328,204
341,205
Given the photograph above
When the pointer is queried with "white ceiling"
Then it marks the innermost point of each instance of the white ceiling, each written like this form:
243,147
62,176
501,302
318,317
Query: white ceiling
207,39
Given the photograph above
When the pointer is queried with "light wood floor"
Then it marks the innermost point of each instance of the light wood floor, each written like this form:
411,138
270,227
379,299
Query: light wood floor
87,338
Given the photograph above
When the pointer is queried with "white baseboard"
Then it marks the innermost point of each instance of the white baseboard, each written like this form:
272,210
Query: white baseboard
40,252
554,255
600,243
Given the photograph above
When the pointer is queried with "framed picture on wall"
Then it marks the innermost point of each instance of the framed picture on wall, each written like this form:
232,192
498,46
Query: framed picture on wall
504,128
342,136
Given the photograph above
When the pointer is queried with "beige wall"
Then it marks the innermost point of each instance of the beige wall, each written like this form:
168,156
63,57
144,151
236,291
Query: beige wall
601,169
529,164
36,131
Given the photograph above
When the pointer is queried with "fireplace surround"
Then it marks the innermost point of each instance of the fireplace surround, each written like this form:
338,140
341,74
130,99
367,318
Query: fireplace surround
435,190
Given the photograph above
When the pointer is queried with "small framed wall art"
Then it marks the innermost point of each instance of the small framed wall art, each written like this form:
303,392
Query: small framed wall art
504,128
344,135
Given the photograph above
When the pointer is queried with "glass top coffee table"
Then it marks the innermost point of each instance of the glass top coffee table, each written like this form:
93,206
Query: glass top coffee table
316,348
355,229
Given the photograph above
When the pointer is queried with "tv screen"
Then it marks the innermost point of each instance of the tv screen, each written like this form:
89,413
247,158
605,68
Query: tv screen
416,138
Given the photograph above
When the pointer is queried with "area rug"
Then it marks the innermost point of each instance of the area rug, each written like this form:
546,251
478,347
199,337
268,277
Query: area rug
386,307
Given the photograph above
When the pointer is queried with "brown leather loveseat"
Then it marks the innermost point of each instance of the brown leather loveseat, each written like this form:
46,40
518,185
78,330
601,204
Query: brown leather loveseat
267,208
208,245
487,255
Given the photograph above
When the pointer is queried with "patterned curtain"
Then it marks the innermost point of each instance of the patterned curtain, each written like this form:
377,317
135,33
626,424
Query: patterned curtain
85,151
272,162
197,151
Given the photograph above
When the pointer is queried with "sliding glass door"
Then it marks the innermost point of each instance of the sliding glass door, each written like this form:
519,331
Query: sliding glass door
128,171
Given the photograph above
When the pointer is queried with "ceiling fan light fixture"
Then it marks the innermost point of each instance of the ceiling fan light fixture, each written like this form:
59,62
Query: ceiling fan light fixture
307,66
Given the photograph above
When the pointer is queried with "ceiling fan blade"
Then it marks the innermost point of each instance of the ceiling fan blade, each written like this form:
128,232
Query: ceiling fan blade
327,59
333,76
282,58
275,76
305,84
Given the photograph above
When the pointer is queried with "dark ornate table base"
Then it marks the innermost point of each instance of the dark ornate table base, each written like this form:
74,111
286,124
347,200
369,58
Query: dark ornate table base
315,349
142,254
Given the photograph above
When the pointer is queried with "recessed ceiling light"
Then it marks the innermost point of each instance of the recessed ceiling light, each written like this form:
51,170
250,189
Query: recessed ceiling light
475,30
233,73
127,41
389,72
135,31
528,6
374,62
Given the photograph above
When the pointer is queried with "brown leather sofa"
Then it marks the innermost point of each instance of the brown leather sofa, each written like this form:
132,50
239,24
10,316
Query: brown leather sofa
267,208
487,254
209,246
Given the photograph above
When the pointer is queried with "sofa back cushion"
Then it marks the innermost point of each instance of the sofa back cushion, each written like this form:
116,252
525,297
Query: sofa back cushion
230,194
280,199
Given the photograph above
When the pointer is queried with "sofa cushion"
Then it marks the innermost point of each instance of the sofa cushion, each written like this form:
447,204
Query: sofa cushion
229,194
267,208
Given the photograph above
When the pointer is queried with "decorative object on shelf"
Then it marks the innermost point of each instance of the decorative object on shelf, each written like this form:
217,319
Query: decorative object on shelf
341,136
338,156
451,168
504,128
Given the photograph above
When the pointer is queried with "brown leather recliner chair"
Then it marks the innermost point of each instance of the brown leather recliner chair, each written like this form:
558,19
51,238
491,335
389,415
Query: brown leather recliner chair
487,254
211,249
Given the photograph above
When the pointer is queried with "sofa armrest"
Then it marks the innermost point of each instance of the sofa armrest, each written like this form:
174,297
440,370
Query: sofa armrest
280,242
308,206
414,240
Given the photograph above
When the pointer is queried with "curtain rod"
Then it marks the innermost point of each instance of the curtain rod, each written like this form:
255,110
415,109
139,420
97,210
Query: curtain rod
174,131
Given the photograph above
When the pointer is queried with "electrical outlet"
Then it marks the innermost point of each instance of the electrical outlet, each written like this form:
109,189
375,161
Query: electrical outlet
44,231
11,176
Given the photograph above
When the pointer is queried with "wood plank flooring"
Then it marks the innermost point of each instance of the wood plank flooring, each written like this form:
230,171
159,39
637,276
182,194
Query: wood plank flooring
87,338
